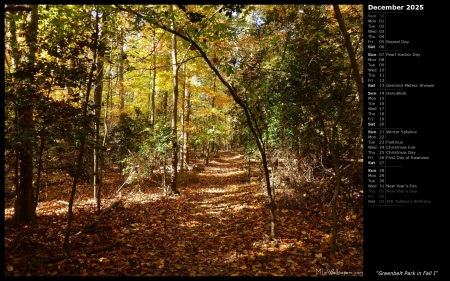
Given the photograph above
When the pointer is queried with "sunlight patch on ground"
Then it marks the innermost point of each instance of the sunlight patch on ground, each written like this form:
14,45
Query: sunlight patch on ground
246,207
215,190
238,156
218,171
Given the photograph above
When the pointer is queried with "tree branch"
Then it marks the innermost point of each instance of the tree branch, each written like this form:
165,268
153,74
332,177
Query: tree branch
17,9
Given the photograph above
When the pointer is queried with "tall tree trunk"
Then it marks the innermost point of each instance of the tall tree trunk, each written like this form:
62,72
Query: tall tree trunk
24,204
98,106
106,118
15,59
152,114
187,113
121,66
183,121
172,187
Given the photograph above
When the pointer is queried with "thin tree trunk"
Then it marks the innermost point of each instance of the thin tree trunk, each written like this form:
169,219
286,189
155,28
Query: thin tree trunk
187,113
66,245
121,66
183,128
334,227
152,116
172,188
98,91
106,117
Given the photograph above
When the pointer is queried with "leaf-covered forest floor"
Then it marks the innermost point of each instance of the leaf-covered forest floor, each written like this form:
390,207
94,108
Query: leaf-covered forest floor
216,227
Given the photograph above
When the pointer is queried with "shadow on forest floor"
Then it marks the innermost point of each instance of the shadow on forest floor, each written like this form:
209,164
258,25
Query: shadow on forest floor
216,227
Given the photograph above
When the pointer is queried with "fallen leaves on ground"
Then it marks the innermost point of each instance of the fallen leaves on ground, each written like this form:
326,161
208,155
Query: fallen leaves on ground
216,227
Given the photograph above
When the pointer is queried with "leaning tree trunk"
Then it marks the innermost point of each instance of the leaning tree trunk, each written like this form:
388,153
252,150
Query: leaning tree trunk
351,54
355,71
251,121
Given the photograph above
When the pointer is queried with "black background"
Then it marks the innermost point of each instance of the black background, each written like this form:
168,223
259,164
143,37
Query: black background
411,237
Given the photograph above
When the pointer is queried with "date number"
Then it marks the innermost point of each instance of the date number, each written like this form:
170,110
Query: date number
414,7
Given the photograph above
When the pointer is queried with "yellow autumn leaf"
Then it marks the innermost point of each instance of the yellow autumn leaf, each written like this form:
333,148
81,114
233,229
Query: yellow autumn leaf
352,251
10,268
243,267
318,255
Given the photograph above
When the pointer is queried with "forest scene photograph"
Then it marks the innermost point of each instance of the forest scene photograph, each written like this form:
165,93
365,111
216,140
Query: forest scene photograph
183,140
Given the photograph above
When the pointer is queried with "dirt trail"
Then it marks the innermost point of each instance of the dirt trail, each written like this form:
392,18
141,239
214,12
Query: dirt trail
213,224
216,227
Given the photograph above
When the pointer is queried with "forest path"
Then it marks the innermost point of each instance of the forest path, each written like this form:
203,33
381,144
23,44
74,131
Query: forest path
217,224
216,227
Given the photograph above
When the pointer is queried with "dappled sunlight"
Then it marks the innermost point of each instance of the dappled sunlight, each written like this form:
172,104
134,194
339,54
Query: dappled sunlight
221,173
